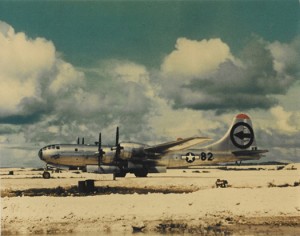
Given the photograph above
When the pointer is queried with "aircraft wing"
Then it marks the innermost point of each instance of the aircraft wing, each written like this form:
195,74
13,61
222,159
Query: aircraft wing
176,145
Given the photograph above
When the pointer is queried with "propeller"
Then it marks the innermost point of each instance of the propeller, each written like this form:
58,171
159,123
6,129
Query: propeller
117,147
100,150
117,137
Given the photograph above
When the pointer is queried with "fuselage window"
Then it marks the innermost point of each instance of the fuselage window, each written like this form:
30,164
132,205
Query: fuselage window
76,149
57,147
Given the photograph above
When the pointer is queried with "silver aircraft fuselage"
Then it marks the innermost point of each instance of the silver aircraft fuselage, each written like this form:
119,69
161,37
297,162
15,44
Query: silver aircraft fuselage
238,144
81,155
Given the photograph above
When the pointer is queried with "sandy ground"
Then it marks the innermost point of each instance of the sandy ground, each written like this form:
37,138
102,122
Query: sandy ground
262,201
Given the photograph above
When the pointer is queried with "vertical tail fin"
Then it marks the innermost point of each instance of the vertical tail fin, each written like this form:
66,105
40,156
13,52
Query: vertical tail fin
240,135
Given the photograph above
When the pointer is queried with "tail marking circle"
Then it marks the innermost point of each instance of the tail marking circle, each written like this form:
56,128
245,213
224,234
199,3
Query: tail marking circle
242,135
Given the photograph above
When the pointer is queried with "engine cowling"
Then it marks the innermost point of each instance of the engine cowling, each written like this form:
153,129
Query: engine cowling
130,150
103,169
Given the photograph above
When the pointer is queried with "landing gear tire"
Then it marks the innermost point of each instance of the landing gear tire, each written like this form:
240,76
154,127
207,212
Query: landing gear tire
120,174
46,175
141,173
238,163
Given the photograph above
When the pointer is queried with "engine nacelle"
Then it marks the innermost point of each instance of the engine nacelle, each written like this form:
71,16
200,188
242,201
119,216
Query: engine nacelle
130,150
103,169
134,166
157,169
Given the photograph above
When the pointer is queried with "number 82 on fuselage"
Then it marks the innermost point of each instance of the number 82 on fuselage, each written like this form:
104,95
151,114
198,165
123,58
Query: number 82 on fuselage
203,156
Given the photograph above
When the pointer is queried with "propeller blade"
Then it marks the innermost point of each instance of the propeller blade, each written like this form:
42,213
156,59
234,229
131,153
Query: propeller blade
117,137
118,147
100,151
100,142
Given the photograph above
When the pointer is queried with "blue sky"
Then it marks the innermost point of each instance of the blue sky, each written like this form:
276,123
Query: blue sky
145,31
159,69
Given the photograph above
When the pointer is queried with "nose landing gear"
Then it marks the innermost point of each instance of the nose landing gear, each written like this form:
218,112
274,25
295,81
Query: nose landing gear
46,173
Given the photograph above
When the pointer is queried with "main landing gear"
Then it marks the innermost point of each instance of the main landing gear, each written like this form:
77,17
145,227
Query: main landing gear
138,173
141,173
238,163
120,174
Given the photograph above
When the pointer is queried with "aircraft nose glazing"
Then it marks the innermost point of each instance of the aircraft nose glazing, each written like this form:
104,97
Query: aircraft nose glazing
41,154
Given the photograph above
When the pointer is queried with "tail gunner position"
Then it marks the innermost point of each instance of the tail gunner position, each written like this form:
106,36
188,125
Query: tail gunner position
237,145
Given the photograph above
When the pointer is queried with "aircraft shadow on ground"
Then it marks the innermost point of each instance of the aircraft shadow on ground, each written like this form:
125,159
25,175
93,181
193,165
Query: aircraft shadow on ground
103,190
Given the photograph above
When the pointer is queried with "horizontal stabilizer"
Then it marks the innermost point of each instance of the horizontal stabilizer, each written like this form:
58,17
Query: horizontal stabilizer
248,152
177,145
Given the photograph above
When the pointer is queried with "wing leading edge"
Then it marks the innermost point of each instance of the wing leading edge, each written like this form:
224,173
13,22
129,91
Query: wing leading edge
177,145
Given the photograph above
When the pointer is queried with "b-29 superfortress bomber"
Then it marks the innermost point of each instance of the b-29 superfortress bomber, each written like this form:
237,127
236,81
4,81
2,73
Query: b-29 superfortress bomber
237,145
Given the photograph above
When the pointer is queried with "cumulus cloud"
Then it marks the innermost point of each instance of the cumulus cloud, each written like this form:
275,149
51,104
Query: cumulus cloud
282,119
22,61
286,57
283,146
44,99
122,94
32,75
192,58
224,82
